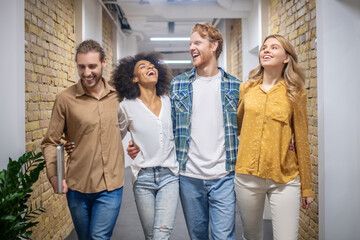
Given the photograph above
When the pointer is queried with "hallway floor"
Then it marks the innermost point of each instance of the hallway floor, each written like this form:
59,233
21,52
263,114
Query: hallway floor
128,226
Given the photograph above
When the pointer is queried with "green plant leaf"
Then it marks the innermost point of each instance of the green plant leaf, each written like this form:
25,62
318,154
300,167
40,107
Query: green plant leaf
8,218
15,190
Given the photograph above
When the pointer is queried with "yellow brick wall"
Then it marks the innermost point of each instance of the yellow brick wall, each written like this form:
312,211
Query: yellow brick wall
296,20
49,69
236,49
107,44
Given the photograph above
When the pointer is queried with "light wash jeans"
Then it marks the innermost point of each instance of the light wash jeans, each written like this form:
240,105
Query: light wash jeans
94,214
284,201
156,192
207,202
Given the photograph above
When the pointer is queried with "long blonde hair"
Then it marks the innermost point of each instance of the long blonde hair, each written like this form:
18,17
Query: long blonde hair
292,73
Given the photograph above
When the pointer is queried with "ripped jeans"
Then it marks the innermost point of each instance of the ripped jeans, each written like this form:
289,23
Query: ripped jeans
156,192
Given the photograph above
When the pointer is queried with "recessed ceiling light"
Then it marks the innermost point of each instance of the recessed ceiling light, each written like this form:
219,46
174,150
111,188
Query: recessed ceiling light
178,39
177,61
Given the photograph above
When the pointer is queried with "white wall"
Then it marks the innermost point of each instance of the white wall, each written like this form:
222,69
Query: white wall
338,54
130,46
12,76
222,26
251,39
92,20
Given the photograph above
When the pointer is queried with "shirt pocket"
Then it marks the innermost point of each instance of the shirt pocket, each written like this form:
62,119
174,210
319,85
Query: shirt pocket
280,112
181,102
231,100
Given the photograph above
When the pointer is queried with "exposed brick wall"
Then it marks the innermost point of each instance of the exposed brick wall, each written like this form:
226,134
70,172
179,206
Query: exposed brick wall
296,20
236,49
107,44
49,69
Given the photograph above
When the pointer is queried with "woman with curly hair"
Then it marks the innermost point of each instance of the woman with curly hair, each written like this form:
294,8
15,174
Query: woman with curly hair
272,110
143,83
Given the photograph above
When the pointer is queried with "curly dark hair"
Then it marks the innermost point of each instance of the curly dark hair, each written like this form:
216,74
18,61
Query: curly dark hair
123,75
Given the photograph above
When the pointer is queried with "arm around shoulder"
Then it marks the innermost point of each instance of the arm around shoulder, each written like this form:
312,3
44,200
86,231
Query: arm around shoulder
122,120
240,110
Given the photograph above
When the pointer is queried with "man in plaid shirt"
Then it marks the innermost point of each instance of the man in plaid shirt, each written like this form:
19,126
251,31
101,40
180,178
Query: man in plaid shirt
204,105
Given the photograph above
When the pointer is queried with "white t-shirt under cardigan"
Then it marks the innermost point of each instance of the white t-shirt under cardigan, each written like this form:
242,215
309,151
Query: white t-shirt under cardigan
152,134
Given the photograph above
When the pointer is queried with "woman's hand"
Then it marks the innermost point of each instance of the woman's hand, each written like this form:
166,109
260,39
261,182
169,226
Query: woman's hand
69,146
306,201
292,145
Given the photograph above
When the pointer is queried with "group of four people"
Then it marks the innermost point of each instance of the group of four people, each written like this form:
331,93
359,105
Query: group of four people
185,143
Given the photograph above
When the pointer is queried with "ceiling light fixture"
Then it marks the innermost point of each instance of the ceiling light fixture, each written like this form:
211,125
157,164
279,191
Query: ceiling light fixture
177,39
177,61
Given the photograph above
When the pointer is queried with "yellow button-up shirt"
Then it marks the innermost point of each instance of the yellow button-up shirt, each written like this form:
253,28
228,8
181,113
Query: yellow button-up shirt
267,121
97,162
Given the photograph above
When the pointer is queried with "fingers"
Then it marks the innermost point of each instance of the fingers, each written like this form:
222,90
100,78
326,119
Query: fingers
69,147
305,202
132,154
291,145
54,181
132,150
65,188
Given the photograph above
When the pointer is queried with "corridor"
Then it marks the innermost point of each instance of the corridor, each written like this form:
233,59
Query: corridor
128,225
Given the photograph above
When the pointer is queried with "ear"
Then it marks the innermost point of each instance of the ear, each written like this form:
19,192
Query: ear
214,46
135,79
104,63
287,59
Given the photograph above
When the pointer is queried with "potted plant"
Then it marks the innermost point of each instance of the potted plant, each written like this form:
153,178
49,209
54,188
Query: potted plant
15,190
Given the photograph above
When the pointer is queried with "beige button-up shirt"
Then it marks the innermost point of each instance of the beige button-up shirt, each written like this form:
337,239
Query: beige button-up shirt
97,162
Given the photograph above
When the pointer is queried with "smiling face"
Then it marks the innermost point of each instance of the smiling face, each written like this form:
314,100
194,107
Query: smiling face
145,73
273,54
201,50
90,68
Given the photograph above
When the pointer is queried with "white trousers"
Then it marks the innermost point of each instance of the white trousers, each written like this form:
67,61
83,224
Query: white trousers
284,201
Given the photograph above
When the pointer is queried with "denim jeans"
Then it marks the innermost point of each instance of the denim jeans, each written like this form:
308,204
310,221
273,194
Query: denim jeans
207,202
94,214
156,192
284,201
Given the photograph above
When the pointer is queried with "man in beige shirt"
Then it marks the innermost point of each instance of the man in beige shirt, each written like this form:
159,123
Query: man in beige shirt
87,114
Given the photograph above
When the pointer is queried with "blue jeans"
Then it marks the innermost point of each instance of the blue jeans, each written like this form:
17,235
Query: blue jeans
94,214
156,192
207,202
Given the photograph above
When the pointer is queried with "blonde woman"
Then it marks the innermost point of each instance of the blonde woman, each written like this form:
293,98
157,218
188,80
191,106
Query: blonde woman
272,111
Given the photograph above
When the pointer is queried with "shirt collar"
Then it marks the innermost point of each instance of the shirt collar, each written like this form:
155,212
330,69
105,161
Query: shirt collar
80,90
192,73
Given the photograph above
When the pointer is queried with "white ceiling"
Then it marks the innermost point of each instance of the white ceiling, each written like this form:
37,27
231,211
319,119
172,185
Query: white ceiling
150,18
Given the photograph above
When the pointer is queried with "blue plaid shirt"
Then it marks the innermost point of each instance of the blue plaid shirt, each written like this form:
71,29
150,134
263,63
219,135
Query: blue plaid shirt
181,94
